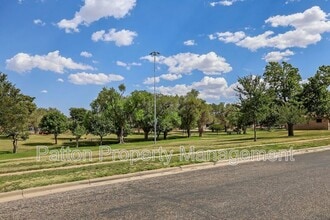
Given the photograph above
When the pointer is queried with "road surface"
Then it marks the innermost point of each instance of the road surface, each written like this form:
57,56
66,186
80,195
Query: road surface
256,190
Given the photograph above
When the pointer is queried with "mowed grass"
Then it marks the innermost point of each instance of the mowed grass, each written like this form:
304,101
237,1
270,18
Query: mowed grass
46,171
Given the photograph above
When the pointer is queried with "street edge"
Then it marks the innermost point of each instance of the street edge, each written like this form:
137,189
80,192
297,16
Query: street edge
64,187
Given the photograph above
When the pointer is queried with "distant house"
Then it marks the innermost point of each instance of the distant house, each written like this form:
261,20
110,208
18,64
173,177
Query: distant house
314,124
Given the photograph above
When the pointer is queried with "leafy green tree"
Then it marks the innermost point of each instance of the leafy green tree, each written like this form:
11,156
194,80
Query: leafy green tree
54,122
167,114
36,117
204,117
15,111
226,115
233,116
189,111
77,130
217,111
216,127
316,94
77,123
78,114
272,117
117,108
143,116
291,114
98,124
284,86
253,98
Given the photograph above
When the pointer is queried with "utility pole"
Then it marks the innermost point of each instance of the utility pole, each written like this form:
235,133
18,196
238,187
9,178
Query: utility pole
155,54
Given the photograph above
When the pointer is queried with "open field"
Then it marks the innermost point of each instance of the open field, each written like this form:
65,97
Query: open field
25,170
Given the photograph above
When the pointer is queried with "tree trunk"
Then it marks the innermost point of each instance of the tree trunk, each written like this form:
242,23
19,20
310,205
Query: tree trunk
200,131
121,136
101,140
55,137
165,135
189,133
244,129
290,130
77,142
225,128
146,135
254,131
36,129
14,145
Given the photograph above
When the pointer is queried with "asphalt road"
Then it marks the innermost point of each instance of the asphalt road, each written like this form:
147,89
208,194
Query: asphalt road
256,190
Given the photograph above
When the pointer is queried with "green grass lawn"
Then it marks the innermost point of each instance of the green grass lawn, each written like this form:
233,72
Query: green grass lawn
48,171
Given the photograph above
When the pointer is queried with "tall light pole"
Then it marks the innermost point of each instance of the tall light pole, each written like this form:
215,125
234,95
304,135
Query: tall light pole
155,54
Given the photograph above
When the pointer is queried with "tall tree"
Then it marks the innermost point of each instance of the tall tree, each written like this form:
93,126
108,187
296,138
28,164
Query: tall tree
98,124
233,116
284,84
253,98
36,117
15,111
225,115
143,116
316,94
189,111
167,114
218,113
77,123
204,117
54,122
117,108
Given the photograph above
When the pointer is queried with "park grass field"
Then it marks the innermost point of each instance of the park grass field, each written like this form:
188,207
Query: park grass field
25,170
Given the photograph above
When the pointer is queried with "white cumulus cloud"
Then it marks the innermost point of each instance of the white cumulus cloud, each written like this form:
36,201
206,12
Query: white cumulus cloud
277,56
289,1
306,29
190,43
93,10
228,37
53,61
127,65
171,77
151,80
210,88
39,22
224,2
84,78
121,38
86,54
186,63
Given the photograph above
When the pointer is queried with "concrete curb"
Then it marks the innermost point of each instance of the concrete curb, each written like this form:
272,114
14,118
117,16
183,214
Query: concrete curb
57,188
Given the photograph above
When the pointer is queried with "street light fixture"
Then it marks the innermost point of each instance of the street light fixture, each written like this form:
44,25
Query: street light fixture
155,54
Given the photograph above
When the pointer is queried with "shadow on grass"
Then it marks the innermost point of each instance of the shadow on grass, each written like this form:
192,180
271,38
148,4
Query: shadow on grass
84,143
4,137
151,138
38,144
70,142
5,152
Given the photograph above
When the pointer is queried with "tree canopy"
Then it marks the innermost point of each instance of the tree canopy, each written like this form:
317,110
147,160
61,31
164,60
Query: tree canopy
284,86
15,111
54,122
254,99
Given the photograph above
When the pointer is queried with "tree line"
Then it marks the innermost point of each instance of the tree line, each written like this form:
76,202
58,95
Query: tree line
277,97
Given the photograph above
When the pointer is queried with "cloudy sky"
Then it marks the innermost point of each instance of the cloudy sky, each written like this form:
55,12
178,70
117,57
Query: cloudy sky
64,52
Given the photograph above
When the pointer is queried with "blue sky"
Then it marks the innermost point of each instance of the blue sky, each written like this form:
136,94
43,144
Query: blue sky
64,52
